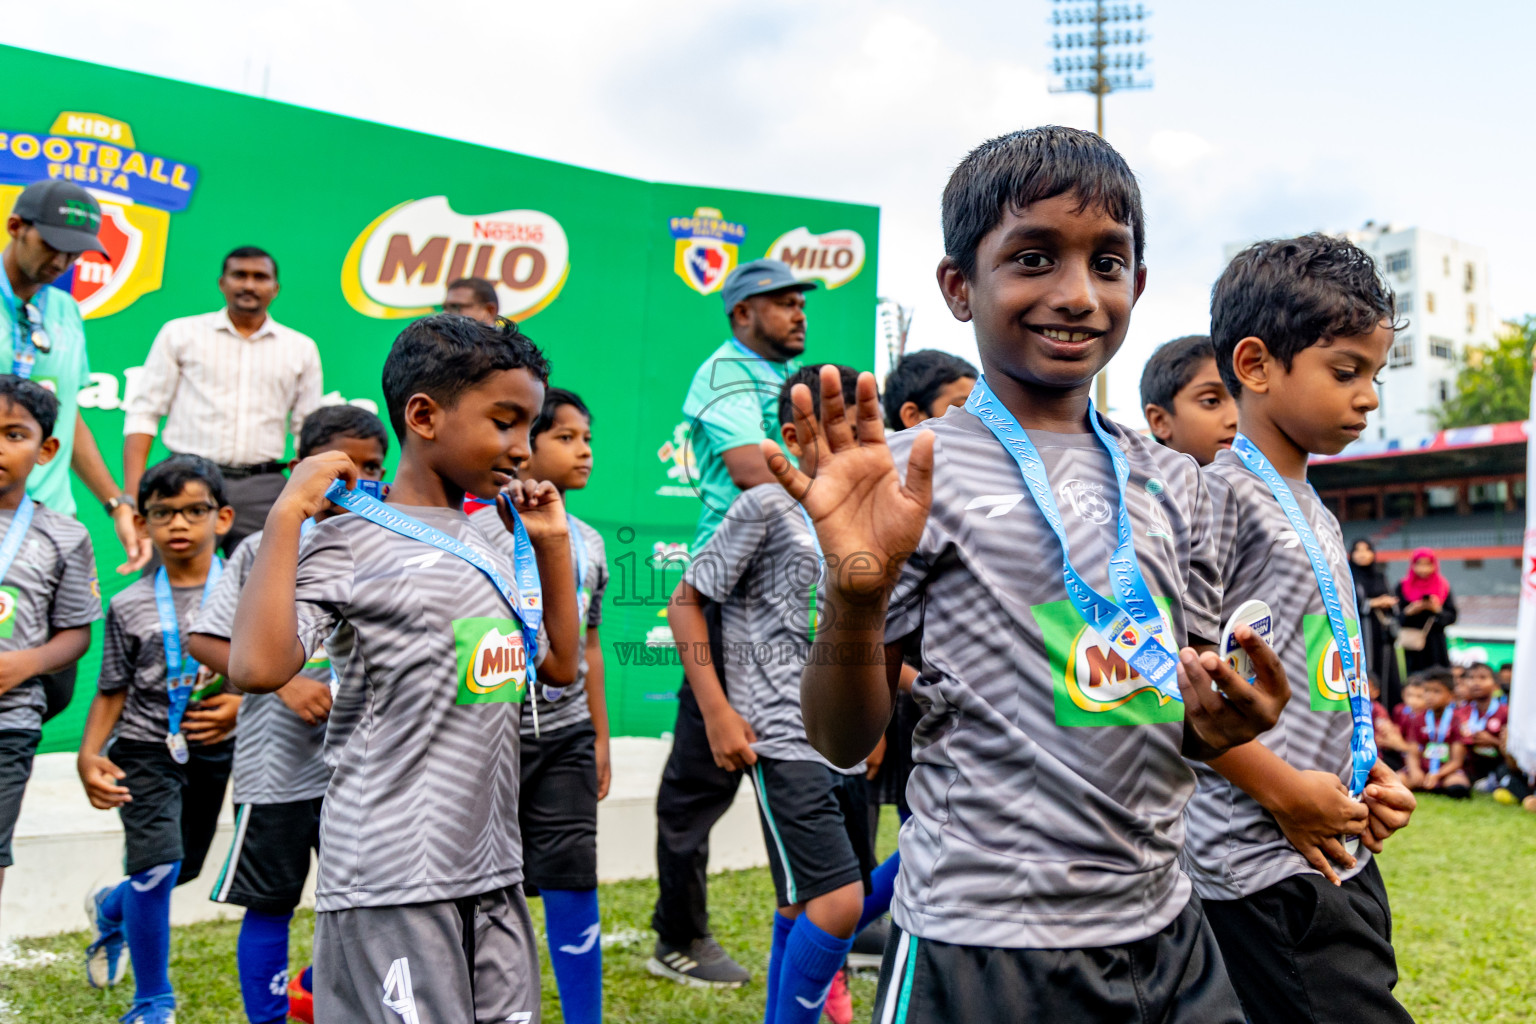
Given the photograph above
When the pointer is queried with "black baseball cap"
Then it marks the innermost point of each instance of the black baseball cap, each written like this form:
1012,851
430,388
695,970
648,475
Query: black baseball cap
66,215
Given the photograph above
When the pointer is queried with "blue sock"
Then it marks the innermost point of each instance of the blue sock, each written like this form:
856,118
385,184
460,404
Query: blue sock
307,979
576,952
147,925
882,886
112,906
261,957
811,958
782,926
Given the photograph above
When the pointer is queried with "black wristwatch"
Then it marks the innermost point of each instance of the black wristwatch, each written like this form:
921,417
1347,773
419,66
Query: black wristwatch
113,504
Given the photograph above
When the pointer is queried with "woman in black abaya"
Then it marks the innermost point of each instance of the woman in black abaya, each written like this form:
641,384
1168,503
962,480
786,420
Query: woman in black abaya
1378,625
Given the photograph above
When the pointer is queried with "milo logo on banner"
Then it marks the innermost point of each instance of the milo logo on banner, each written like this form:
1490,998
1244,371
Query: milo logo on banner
1092,683
1328,690
399,266
138,192
833,258
492,661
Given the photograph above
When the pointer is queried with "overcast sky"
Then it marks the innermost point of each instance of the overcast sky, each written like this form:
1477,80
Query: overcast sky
1264,119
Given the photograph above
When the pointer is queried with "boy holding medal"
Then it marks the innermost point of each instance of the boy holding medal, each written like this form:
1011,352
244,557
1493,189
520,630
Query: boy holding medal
47,587
1281,831
435,633
1056,565
565,768
280,777
169,723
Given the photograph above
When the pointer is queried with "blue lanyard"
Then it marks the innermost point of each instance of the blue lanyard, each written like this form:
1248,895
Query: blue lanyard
1362,738
1437,734
1477,722
523,600
180,670
583,561
1132,624
772,366
21,522
23,352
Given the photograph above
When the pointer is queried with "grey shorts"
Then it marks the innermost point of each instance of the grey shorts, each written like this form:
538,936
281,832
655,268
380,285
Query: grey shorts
470,959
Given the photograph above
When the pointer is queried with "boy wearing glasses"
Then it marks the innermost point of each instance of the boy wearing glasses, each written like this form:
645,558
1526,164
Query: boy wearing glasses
170,723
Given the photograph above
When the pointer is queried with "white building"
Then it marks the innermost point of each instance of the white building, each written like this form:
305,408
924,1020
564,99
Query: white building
1442,294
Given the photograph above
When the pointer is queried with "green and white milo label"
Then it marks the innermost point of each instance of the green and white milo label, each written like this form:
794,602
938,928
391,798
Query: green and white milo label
8,598
1093,685
1326,688
492,661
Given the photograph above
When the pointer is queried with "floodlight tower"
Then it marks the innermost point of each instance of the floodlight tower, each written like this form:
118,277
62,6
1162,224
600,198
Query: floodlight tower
1098,51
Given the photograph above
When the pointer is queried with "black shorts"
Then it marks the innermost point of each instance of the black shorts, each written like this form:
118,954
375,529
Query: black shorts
175,808
815,825
268,860
1173,977
1305,950
17,749
557,809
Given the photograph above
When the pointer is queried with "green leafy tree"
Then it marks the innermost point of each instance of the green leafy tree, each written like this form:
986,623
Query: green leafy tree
1494,386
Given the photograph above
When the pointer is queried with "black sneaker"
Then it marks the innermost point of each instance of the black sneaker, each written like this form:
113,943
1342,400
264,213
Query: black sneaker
703,964
869,945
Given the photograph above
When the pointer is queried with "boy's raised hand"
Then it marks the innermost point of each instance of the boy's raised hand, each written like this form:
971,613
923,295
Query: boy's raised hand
861,508
539,505
1223,710
304,494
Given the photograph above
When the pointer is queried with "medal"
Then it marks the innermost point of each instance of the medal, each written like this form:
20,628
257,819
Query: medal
176,743
1256,616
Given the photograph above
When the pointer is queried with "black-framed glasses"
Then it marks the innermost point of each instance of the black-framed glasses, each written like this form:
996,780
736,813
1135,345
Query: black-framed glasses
32,321
161,515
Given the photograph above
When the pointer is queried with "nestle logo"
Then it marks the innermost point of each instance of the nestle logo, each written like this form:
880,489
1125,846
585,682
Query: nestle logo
508,231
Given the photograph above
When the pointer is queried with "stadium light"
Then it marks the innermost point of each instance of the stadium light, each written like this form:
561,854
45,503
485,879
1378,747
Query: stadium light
1098,49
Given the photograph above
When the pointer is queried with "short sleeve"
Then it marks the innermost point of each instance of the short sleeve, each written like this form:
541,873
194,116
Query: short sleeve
599,557
323,585
77,602
119,655
217,617
1211,552
734,419
715,571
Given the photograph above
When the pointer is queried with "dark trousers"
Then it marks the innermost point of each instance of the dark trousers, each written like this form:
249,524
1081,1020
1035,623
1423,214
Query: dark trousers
252,498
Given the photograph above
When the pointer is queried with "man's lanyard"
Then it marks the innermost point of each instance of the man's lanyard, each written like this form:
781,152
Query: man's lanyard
23,351
821,562
777,369
180,669
1362,737
583,595
524,600
1132,623
1474,721
1438,734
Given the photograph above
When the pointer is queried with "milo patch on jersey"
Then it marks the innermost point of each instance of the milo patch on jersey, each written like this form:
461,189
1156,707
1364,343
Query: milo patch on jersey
9,596
1092,683
1326,686
492,661
319,665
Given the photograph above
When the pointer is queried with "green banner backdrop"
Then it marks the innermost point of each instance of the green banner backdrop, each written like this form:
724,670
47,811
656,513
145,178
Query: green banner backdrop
617,279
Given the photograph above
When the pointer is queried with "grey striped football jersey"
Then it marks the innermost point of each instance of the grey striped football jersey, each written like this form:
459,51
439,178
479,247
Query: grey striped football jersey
761,566
133,657
423,734
279,756
571,708
50,586
1047,789
1234,847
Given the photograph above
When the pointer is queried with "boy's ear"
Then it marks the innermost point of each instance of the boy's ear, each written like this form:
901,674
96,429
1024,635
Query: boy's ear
1160,421
423,416
1253,364
791,442
48,449
224,520
955,289
911,414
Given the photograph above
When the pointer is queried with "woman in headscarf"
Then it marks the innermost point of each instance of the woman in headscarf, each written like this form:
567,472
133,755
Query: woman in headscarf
1425,607
1378,621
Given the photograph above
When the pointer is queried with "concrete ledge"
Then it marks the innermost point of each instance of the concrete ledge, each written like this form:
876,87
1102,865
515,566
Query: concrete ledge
64,846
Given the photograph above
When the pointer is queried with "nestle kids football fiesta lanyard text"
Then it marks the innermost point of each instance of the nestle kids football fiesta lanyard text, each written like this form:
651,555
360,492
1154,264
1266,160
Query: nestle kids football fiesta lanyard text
523,599
1362,738
180,669
1132,624
23,350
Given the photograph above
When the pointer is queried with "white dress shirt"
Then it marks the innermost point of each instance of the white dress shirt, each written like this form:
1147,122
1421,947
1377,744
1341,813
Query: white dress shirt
225,397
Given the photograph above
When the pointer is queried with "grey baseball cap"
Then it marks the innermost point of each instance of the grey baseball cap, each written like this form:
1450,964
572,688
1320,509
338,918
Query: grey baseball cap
758,278
66,215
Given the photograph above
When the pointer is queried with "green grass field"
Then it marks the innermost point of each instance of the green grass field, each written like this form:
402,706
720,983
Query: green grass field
1460,880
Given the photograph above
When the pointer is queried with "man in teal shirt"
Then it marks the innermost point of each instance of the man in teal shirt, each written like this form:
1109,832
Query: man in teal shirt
52,223
732,405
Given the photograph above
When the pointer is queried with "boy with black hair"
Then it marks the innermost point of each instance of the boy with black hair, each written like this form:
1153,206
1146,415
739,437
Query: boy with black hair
280,776
1187,406
761,566
923,384
48,591
1479,725
1436,755
169,722
420,913
565,766
1040,875
1301,327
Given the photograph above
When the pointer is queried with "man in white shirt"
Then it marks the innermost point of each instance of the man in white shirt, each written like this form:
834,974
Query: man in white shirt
230,385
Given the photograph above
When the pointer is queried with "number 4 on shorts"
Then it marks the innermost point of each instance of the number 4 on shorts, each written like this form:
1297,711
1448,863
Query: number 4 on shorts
397,991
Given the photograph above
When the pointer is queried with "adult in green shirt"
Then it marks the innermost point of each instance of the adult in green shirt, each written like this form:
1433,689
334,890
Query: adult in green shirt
52,223
732,405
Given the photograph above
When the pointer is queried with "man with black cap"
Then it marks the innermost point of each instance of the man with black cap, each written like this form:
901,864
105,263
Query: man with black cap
52,223
732,405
